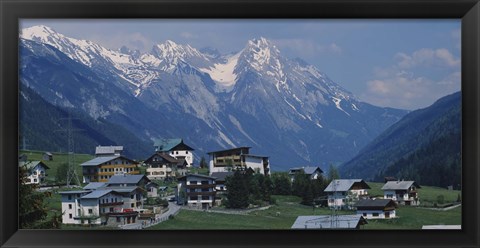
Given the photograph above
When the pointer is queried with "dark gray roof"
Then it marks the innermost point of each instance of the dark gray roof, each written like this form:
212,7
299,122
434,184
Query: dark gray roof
99,160
196,175
373,203
343,185
73,192
32,164
220,176
94,185
328,222
127,189
97,194
126,179
399,185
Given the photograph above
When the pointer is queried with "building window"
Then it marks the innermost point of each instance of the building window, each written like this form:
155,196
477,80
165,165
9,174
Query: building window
193,182
205,197
132,205
90,211
111,210
375,214
364,214
186,152
131,197
193,198
69,197
69,206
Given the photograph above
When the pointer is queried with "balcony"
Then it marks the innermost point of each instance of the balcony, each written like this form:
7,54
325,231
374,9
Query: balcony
201,193
111,204
200,186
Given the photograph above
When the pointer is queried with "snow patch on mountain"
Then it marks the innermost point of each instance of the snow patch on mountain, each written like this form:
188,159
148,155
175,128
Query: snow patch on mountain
224,74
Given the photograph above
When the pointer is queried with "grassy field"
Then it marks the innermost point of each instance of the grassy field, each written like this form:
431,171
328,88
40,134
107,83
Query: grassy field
58,159
428,194
284,213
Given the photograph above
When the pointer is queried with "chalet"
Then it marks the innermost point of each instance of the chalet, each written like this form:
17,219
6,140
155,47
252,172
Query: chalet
329,222
220,178
236,158
313,172
344,193
175,148
376,209
36,171
162,166
102,151
101,169
47,156
196,191
402,192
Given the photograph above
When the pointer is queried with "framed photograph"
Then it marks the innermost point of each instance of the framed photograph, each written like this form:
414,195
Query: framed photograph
202,123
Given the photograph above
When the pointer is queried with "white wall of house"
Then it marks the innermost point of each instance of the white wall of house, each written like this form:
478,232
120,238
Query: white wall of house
70,208
90,207
131,200
183,153
37,175
359,192
390,194
340,199
255,163
336,199
376,214
160,172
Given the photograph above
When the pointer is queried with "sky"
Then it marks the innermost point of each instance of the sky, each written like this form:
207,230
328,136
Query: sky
406,64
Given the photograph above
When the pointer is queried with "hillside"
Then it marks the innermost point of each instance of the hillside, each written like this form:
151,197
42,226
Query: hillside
424,146
41,124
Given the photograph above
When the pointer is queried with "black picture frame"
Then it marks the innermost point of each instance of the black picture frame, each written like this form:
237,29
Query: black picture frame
11,11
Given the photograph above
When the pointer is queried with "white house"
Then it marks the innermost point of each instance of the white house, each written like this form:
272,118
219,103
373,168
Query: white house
121,198
175,148
344,193
402,192
313,172
71,206
220,179
231,159
36,171
196,191
162,166
376,209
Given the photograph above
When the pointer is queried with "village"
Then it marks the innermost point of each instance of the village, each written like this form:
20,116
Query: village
119,192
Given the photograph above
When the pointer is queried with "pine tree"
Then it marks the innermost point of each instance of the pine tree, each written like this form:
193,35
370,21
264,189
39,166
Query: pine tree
238,190
32,210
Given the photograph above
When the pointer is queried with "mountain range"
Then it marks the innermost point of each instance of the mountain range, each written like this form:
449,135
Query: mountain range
283,108
425,146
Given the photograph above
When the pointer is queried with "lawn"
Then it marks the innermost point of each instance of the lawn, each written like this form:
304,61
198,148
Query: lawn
58,159
283,215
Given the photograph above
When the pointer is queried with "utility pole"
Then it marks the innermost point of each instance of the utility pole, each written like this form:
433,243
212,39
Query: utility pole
71,172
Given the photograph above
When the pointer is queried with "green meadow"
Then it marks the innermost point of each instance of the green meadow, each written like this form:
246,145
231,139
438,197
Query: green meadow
283,214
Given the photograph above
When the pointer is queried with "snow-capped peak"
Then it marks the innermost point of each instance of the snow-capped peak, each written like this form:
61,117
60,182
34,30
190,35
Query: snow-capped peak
261,52
171,51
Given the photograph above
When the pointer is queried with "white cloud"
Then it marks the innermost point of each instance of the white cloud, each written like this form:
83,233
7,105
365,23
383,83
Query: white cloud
414,80
427,57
